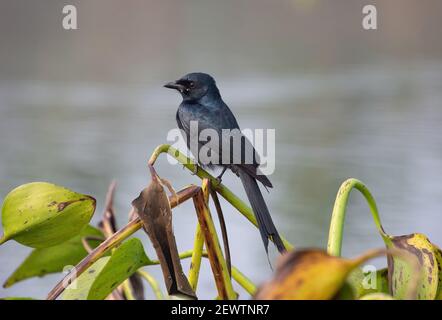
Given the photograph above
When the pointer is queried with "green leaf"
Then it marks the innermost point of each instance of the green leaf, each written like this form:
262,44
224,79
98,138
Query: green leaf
41,214
125,260
54,259
359,284
79,288
400,272
108,273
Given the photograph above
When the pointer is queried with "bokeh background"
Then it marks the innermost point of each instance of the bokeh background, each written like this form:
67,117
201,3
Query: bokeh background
80,108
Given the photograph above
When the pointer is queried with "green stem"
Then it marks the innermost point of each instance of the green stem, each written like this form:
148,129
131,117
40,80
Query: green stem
243,281
183,255
196,258
243,208
153,284
237,275
127,289
335,236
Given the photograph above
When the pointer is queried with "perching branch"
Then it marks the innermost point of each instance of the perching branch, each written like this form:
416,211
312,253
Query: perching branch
242,207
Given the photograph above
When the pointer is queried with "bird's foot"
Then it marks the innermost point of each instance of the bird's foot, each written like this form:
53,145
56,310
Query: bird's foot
195,170
219,178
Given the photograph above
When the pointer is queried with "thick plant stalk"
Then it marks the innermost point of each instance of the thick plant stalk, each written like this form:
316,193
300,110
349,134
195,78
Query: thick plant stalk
336,231
122,234
217,261
197,254
242,207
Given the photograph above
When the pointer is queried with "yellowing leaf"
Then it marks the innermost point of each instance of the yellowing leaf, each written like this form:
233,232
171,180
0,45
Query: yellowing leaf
400,272
309,275
41,214
414,273
438,253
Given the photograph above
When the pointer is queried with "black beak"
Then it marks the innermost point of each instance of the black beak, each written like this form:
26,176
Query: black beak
175,85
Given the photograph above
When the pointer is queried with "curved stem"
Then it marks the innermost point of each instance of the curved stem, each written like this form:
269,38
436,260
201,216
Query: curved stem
243,208
243,281
128,291
153,284
335,235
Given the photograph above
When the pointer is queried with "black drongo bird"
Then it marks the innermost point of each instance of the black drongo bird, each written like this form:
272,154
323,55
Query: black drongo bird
202,103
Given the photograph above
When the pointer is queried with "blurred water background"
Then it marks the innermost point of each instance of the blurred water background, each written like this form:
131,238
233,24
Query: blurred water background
80,108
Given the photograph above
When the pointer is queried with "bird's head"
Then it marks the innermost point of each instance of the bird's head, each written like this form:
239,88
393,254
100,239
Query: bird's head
194,86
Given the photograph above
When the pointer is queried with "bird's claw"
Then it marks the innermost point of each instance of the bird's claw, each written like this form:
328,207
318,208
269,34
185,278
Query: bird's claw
195,170
219,178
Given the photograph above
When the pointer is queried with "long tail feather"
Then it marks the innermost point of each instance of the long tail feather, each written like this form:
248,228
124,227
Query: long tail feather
262,214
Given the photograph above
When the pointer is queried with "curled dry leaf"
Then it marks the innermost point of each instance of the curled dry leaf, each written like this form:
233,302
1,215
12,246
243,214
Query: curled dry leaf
153,208
400,273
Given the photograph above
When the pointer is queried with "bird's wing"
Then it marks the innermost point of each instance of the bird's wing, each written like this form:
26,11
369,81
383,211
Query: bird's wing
217,119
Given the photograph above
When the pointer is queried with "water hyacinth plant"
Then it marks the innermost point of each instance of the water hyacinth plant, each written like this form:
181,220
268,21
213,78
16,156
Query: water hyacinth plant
110,265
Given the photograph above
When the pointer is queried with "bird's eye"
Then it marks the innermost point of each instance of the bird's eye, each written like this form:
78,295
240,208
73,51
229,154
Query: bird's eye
192,84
